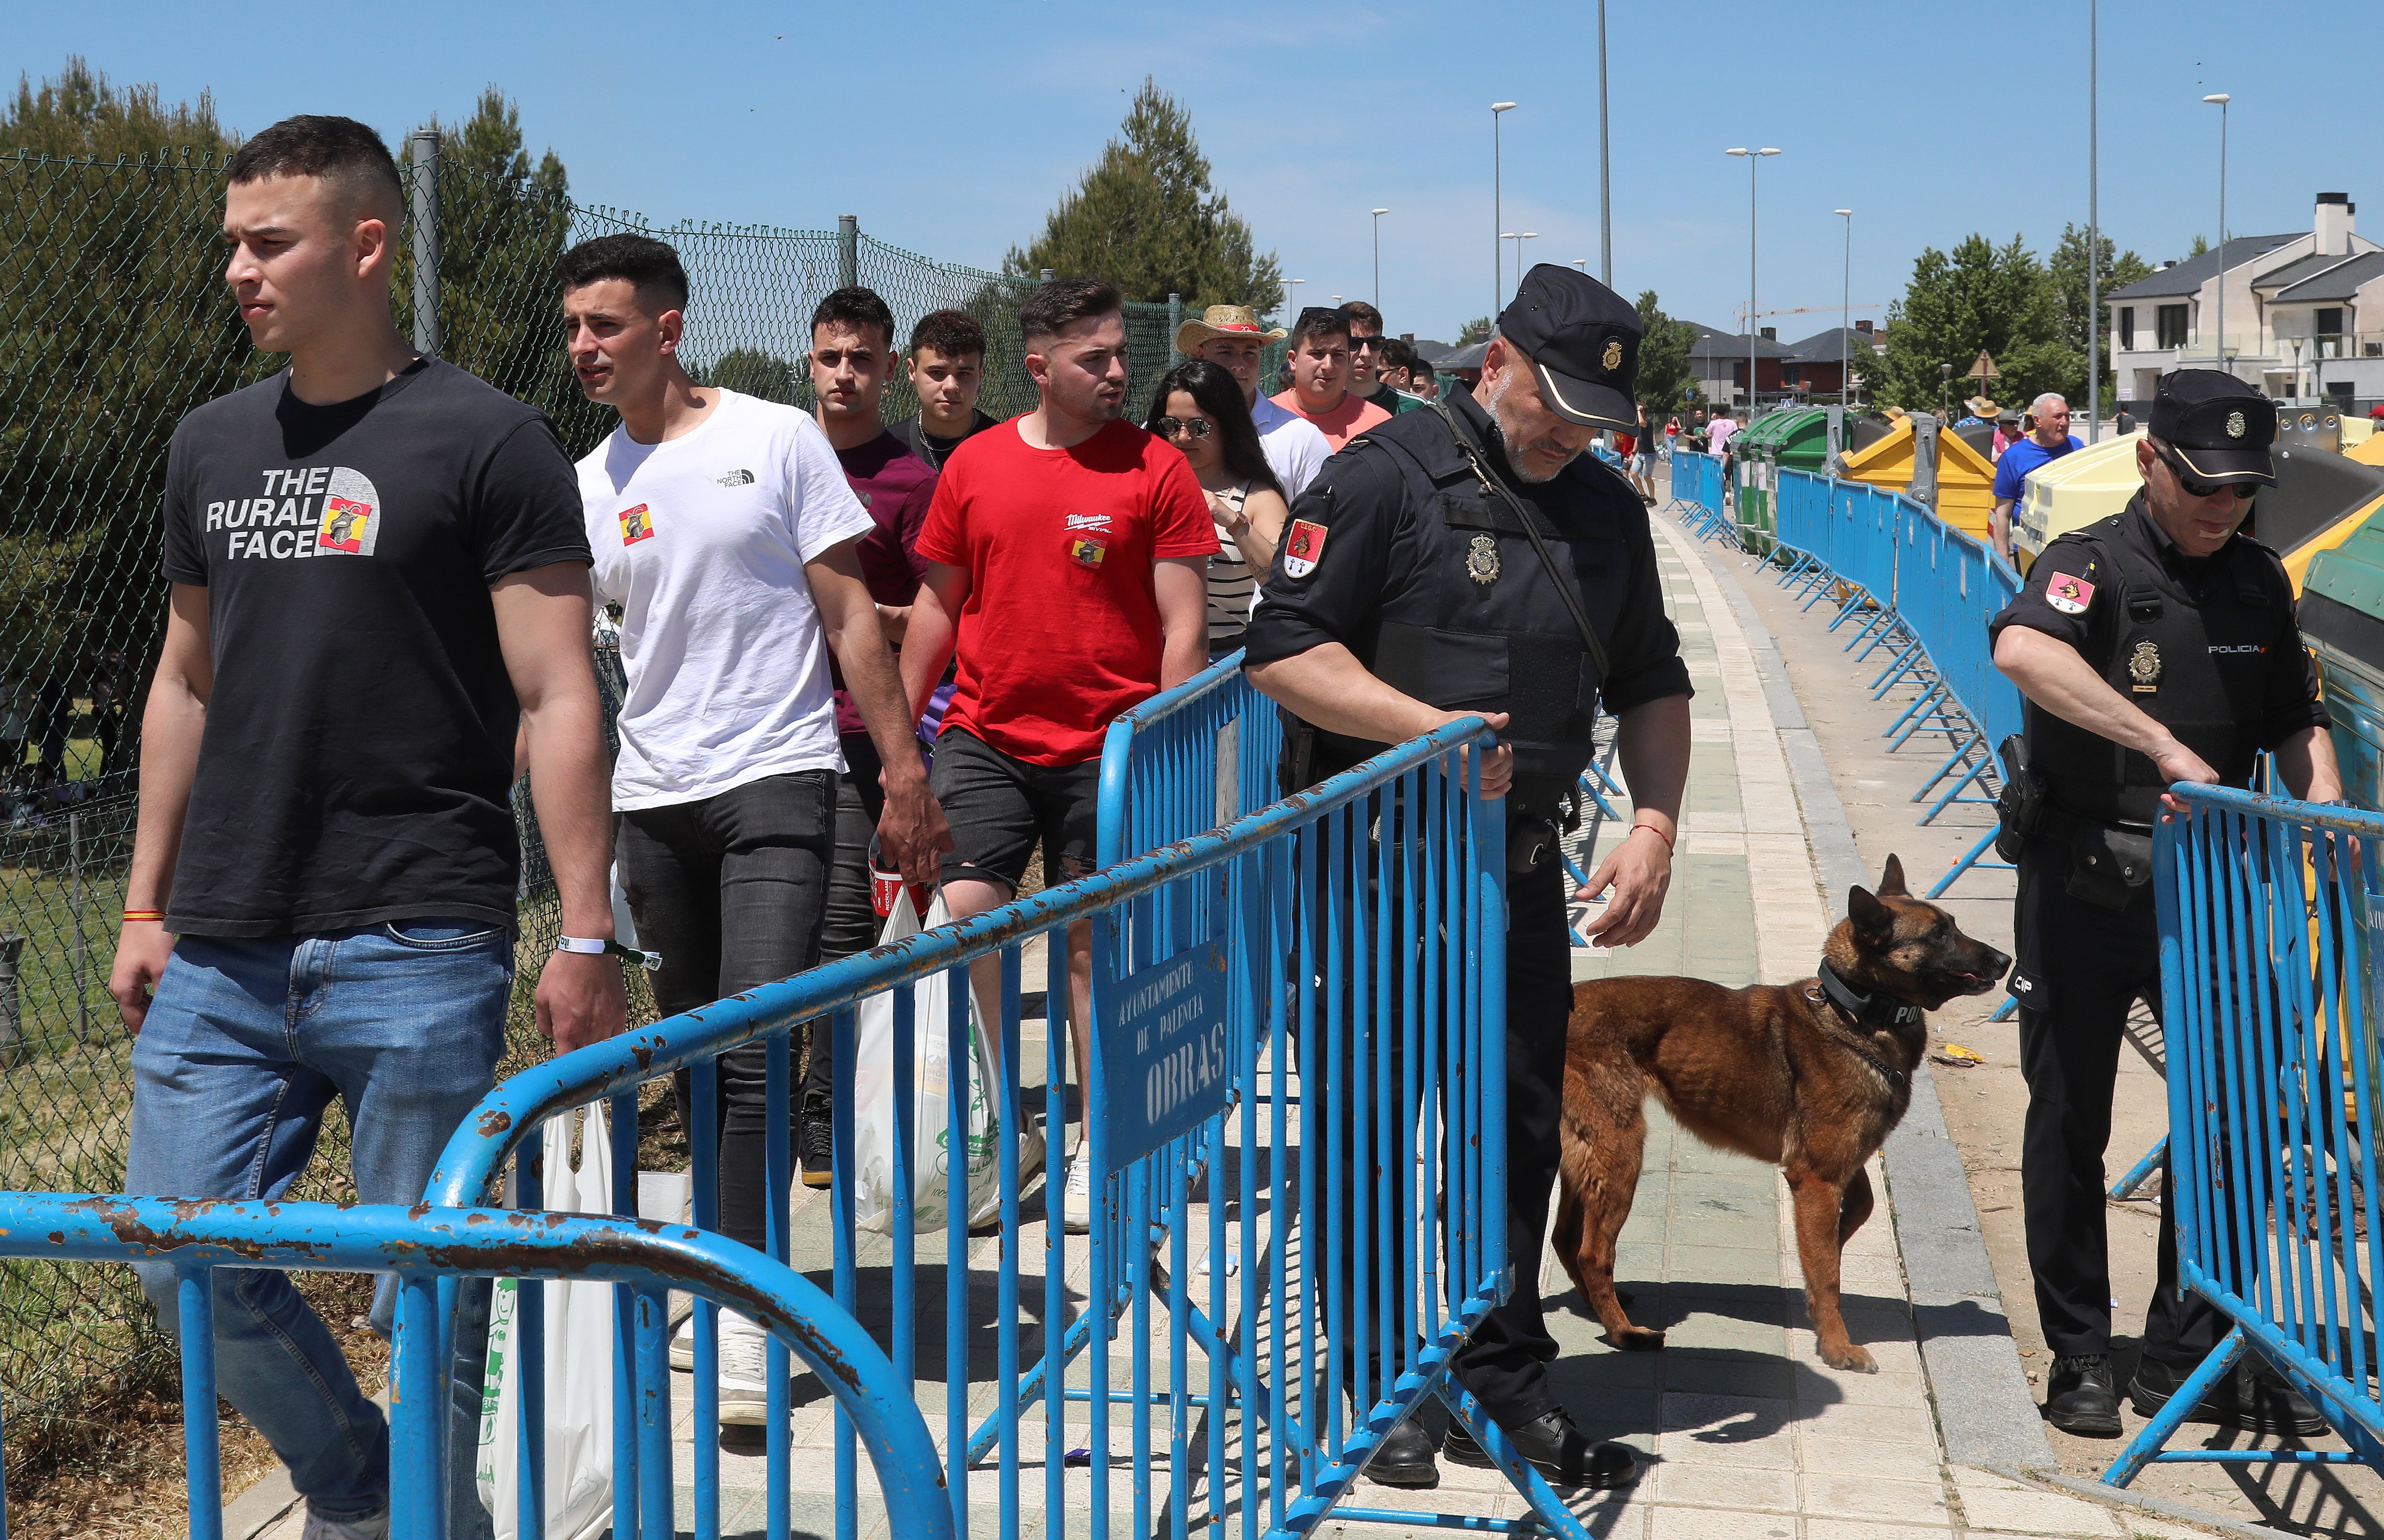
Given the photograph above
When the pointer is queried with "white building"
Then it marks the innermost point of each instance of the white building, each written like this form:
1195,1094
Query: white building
2304,313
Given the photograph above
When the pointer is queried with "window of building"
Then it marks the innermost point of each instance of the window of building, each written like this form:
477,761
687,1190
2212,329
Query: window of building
2128,328
2328,322
2170,320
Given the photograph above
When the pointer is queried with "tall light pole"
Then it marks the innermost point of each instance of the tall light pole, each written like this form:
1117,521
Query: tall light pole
1753,158
1295,299
1498,209
2094,232
1378,256
1846,310
1605,165
2219,100
1582,263
1519,237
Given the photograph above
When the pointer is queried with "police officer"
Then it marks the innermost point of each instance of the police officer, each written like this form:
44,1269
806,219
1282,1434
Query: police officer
1408,593
2155,646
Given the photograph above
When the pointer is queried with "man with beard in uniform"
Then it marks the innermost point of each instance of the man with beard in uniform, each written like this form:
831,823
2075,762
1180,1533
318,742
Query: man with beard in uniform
2154,646
1409,592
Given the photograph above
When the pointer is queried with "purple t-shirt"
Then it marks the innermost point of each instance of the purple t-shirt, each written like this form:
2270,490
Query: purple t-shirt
896,485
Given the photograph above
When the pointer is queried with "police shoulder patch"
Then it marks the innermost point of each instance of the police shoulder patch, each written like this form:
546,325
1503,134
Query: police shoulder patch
2068,592
1303,547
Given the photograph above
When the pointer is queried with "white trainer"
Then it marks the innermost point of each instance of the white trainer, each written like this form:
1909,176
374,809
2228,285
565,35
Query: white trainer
744,1369
319,1528
1076,1195
682,1347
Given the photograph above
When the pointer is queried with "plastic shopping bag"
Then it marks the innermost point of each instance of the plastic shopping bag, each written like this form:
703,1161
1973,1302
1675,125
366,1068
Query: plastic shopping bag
872,1100
578,1362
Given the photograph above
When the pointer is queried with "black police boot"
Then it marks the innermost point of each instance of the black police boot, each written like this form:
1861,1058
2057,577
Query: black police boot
2251,1394
818,1139
1559,1450
1404,1458
2078,1398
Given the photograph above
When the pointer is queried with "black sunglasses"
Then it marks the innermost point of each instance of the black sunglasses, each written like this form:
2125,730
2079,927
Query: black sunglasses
1199,427
2194,485
1375,343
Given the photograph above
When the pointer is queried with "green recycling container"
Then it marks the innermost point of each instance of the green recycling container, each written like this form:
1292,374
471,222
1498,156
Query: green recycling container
1793,438
1756,521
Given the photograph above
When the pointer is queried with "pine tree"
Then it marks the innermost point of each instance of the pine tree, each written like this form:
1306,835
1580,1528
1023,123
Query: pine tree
2066,270
1147,219
1978,298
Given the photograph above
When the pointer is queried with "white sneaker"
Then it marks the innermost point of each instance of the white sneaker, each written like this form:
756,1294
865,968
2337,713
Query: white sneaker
744,1371
682,1347
374,1528
1076,1195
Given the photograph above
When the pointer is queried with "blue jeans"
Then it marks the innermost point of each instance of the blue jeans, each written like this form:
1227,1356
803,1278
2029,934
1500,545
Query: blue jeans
243,1049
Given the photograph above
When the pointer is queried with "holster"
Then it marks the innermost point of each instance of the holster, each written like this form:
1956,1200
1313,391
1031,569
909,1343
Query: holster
2019,806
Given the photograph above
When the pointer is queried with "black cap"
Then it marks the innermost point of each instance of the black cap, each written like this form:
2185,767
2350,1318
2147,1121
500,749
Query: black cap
2219,426
1583,342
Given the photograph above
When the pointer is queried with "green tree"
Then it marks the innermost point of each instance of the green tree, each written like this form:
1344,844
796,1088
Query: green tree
1978,298
2200,247
2066,271
1478,330
1147,219
114,322
1663,358
758,372
502,224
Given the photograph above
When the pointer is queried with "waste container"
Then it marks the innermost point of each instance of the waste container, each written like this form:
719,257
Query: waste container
1755,480
1794,438
2320,500
1965,478
2072,492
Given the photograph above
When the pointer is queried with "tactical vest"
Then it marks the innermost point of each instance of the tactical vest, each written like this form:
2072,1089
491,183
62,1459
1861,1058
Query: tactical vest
1488,631
2196,666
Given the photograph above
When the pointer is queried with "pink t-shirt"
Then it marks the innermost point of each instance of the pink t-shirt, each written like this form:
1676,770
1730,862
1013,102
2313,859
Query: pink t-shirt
1345,422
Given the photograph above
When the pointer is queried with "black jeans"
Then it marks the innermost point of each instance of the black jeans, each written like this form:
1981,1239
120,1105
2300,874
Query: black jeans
852,925
731,891
2082,966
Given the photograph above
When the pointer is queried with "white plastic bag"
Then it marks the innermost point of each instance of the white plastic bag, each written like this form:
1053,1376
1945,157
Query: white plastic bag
579,1362
872,1100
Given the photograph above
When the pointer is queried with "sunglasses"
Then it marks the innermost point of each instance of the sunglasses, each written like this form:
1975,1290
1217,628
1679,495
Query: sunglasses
1169,428
2194,485
1359,343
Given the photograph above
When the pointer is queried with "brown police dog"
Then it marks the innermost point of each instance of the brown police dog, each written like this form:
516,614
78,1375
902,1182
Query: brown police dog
1808,1077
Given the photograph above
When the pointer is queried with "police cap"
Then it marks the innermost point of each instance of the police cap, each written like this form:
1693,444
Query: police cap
2219,426
1583,342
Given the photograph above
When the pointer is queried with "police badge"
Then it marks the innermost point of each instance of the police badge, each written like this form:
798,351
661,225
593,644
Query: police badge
1482,560
2144,668
2234,425
1613,358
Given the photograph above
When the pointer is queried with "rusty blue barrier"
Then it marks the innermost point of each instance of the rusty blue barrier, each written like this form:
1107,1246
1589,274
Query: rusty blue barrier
2271,963
427,1247
1359,924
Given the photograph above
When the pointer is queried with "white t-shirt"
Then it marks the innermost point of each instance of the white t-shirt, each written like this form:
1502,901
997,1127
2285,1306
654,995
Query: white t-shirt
1295,448
702,541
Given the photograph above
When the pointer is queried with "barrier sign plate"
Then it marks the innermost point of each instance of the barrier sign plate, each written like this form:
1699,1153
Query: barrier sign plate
1164,1058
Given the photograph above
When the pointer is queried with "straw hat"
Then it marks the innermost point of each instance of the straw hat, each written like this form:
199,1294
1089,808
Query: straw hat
1224,320
1981,407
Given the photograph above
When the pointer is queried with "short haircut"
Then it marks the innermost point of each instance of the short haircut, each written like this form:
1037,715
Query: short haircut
1064,300
1395,354
2054,396
336,149
1358,310
855,306
953,333
1319,321
650,267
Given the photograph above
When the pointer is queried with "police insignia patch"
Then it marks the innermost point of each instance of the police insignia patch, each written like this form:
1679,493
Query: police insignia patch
2144,668
1303,547
2234,425
2070,595
1613,356
1482,560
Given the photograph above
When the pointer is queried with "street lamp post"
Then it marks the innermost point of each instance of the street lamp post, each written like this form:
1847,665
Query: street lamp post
1845,309
1753,377
1497,208
1378,256
2093,230
1519,237
1604,165
2219,100
1295,299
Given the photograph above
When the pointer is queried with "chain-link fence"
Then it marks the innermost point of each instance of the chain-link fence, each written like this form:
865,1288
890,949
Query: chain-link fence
113,324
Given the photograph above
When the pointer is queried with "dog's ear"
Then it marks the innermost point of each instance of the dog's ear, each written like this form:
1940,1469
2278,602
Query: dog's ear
1870,916
1891,881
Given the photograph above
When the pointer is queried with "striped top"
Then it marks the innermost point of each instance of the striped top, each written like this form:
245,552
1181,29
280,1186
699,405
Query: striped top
1232,584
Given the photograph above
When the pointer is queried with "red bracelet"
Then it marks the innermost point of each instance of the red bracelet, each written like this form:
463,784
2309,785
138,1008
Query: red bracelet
1656,832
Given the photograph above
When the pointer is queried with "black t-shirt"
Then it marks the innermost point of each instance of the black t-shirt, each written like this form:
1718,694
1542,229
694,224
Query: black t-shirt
359,743
930,447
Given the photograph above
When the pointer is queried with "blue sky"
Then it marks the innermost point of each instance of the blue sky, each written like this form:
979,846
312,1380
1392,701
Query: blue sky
949,130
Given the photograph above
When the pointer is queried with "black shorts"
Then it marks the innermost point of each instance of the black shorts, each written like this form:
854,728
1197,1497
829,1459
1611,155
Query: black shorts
999,808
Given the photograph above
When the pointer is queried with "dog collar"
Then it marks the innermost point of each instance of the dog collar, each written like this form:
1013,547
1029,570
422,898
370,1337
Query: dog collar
1876,1012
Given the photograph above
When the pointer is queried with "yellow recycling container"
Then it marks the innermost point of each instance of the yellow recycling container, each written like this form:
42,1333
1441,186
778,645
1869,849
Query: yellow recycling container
1965,478
2072,492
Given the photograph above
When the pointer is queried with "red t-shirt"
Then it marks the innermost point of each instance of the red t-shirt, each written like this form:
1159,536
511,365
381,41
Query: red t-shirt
1345,422
1060,632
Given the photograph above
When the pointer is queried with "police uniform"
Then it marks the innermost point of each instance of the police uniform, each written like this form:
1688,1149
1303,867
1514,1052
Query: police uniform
2209,648
1403,550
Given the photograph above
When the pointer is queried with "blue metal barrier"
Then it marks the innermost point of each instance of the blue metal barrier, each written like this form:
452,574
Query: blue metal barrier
1186,760
428,1247
1359,924
2270,913
1698,492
